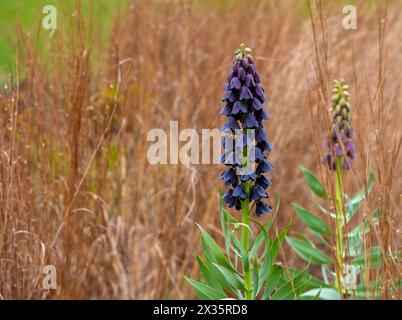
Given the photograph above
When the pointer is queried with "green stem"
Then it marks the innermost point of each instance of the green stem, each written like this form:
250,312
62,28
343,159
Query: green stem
339,224
245,238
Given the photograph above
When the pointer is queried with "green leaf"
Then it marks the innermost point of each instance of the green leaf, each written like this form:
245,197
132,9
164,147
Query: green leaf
320,238
215,250
313,282
261,237
276,245
206,274
322,293
224,223
256,279
206,252
314,223
244,259
307,252
232,277
213,277
314,184
266,262
291,288
271,281
204,291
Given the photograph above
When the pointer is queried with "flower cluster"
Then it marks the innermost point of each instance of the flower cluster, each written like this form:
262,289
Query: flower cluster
244,99
340,143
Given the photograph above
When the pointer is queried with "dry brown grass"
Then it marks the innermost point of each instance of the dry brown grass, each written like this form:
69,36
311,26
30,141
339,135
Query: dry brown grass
76,188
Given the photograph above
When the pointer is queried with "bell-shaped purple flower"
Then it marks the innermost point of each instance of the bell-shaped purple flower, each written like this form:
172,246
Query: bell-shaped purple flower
261,208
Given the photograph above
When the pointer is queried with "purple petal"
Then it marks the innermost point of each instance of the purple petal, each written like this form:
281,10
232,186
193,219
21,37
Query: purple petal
235,83
241,74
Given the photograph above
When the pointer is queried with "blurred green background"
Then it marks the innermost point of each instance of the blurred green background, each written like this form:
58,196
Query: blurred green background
28,13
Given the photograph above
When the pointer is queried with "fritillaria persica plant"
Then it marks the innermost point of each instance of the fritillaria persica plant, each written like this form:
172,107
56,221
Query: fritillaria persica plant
345,274
246,268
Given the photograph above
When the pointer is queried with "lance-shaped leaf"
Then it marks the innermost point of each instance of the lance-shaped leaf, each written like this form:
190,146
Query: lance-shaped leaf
314,184
232,277
322,293
271,281
307,252
314,223
292,287
215,250
205,291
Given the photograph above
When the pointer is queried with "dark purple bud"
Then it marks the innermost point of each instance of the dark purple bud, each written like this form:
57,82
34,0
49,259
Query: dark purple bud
261,135
250,122
245,93
260,92
263,181
337,150
259,155
235,83
264,166
226,110
261,208
257,105
250,60
228,198
264,146
251,69
239,107
236,68
246,177
261,115
350,149
230,76
230,124
241,74
250,80
257,77
257,193
240,192
229,177
245,62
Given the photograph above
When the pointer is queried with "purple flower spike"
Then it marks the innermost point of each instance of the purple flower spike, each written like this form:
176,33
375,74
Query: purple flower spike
244,109
340,144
